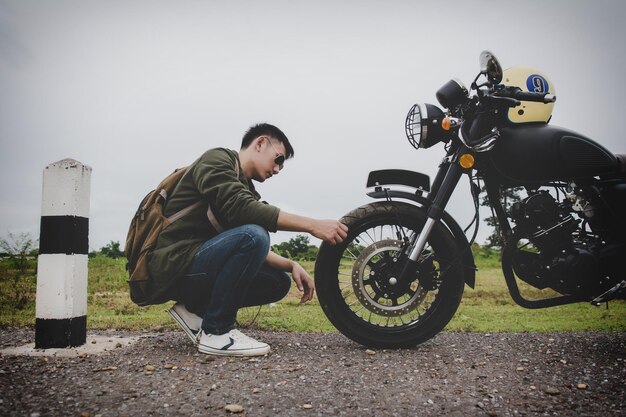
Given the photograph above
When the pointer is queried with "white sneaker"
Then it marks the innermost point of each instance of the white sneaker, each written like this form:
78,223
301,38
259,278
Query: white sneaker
233,343
188,321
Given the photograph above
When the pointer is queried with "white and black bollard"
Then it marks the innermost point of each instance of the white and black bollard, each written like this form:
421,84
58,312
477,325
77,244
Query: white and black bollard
61,304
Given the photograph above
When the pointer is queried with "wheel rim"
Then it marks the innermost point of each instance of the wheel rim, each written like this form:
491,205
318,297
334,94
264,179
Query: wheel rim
372,297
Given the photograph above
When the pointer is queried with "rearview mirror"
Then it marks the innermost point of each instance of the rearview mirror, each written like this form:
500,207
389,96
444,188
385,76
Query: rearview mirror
490,66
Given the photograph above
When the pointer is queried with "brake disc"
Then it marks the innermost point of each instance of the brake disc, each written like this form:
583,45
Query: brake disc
367,274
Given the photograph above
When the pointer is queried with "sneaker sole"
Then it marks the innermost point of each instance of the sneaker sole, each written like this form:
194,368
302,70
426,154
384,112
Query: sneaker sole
178,319
219,352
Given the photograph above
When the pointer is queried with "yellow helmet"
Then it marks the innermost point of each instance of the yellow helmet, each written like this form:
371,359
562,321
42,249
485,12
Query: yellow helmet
529,79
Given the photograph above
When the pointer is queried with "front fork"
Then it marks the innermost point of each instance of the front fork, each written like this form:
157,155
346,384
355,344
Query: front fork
445,182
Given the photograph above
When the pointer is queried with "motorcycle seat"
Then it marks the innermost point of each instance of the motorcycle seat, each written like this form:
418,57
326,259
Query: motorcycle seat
621,159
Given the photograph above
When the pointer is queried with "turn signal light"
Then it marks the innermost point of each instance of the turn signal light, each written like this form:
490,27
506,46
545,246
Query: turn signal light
466,160
446,124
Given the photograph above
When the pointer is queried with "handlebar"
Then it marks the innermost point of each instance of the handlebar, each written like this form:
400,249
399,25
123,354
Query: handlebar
539,97
513,96
517,94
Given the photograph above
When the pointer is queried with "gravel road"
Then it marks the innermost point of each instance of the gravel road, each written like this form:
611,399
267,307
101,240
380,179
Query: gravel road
454,374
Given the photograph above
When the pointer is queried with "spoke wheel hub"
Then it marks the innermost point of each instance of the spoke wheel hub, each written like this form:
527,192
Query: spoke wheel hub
375,281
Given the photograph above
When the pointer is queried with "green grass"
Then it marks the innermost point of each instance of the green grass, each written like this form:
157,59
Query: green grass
487,308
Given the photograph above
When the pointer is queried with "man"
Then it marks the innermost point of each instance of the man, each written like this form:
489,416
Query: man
216,259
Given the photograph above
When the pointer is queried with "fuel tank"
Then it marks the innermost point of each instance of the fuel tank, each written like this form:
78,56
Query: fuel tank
538,153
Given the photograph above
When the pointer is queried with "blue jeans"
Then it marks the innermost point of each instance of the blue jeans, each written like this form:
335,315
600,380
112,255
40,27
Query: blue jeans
228,272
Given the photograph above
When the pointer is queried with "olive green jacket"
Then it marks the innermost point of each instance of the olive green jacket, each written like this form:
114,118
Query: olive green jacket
217,180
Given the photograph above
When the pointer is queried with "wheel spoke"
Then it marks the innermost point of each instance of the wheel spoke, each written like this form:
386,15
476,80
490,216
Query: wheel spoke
368,235
351,254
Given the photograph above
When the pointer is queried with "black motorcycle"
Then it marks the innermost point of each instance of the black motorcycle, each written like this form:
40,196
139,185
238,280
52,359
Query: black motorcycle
398,278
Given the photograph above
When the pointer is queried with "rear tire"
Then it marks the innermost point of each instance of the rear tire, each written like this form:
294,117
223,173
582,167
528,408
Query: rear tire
356,281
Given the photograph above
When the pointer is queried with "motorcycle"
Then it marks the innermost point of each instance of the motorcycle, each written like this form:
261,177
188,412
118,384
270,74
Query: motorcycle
399,276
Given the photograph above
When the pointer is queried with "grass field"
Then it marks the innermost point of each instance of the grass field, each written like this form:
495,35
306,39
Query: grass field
487,308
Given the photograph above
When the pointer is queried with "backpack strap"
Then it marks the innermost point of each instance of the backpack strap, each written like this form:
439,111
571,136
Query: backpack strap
182,213
209,213
211,216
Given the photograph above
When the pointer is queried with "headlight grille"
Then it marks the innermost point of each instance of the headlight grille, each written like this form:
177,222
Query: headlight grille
415,130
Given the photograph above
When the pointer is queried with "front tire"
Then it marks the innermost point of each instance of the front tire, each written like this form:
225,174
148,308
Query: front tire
357,286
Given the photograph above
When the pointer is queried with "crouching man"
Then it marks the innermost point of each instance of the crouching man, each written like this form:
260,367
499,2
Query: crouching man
216,259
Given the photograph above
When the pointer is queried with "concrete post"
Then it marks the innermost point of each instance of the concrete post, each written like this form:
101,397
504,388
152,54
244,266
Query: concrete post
61,303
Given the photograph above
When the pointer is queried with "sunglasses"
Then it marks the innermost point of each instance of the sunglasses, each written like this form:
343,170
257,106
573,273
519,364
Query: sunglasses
280,158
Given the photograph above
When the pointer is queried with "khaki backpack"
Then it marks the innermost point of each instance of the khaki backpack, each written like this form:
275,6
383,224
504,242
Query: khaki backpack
144,231
145,228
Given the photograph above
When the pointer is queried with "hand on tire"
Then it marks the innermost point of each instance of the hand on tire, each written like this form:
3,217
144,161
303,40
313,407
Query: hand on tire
330,231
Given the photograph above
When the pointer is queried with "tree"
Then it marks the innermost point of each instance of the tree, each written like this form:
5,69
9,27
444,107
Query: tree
21,270
112,250
508,196
298,247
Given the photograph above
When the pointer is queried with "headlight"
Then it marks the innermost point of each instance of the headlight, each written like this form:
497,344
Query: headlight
423,126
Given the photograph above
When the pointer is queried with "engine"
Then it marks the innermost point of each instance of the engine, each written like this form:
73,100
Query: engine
546,225
555,250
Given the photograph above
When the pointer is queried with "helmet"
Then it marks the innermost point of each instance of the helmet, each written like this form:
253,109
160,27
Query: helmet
530,80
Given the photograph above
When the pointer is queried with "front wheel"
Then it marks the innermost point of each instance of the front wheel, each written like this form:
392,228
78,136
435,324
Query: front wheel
357,280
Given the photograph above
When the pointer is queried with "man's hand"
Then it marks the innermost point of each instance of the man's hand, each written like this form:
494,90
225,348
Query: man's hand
303,282
331,231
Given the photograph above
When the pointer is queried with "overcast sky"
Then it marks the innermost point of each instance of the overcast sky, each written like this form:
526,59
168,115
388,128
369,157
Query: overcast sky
135,89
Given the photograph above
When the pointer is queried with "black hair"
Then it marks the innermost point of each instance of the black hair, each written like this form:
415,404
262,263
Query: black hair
267,130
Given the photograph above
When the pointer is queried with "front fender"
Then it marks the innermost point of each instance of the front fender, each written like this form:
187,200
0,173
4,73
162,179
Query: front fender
461,240
399,176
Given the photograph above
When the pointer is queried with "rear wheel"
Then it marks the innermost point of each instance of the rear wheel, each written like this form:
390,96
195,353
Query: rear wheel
357,281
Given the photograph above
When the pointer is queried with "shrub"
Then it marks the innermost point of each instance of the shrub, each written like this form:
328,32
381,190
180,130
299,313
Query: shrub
18,270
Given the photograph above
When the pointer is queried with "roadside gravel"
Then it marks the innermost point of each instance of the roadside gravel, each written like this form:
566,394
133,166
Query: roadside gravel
454,374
